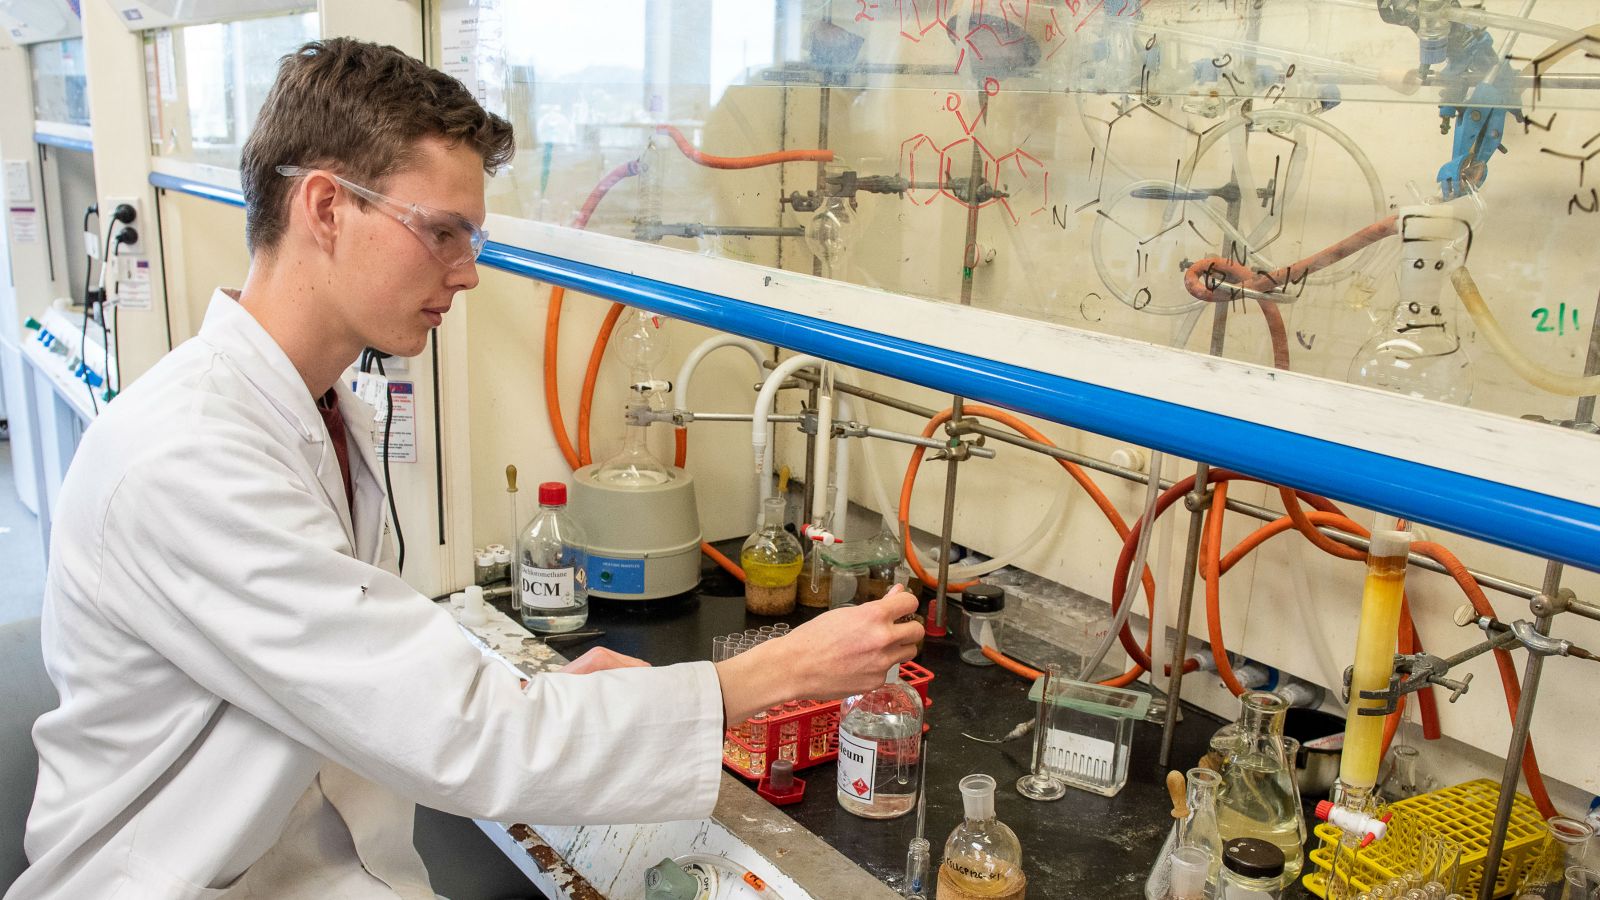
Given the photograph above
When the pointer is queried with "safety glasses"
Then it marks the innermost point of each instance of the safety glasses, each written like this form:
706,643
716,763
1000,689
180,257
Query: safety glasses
451,239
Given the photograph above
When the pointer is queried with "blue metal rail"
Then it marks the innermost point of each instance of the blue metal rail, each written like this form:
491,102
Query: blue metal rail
66,143
197,189
1514,517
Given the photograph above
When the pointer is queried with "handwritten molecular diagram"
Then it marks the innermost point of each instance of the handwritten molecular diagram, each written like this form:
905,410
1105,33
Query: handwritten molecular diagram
994,31
1017,181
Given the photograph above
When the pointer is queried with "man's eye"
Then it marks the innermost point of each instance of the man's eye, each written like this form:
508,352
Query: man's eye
443,235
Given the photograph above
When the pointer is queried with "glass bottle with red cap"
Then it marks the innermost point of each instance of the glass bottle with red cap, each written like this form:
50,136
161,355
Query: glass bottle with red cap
552,560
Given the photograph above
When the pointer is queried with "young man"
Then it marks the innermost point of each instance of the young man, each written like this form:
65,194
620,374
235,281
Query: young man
251,699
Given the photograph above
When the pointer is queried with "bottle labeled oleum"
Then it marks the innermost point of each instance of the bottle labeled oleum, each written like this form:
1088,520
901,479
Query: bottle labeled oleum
880,748
982,858
551,560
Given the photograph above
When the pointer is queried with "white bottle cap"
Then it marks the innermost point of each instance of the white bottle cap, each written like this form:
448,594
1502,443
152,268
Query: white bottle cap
483,558
475,611
1390,543
977,796
458,600
501,555
495,548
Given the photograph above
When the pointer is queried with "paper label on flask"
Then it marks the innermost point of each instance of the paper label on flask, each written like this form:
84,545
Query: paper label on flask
548,588
858,763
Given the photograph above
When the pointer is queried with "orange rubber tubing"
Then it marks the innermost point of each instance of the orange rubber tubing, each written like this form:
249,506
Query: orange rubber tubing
742,162
1509,683
552,392
1011,665
1201,287
1411,643
1324,508
1328,514
1077,473
591,379
552,319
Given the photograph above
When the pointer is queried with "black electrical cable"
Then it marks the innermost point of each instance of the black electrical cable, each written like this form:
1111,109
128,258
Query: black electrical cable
388,485
88,304
105,338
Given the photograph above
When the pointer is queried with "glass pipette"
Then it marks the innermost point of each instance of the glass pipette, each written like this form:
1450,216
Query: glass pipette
916,886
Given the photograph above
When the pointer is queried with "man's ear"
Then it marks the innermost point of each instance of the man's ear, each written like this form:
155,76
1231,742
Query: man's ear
314,203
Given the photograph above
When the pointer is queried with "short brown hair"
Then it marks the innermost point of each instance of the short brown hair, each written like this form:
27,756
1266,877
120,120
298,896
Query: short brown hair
356,108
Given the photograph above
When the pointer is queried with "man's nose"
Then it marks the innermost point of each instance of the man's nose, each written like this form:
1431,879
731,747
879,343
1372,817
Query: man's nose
465,277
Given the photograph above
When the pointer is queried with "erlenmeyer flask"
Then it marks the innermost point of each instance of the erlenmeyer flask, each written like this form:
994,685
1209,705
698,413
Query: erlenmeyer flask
1258,797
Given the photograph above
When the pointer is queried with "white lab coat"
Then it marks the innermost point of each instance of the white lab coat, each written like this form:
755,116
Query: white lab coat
252,701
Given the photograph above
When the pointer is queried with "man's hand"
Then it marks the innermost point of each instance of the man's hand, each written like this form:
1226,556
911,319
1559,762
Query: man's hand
841,652
600,659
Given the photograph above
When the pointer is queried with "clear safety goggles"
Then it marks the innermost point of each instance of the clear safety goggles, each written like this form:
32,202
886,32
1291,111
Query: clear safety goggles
451,239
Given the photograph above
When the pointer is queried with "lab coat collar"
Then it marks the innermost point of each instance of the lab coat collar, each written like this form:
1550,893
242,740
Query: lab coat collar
231,329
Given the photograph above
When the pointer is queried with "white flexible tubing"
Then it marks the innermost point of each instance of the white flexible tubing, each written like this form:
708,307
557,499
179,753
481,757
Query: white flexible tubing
680,388
1531,372
841,466
1515,24
1130,590
889,511
1045,528
758,425
886,510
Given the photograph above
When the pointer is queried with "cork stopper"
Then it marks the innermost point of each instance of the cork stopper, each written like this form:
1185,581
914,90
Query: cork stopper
511,479
1178,790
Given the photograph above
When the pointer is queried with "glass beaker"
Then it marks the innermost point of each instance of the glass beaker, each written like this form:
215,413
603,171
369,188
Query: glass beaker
1582,884
1567,842
1258,797
771,558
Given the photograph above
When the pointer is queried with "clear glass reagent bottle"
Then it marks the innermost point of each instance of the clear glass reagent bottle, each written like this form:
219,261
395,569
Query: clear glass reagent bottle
880,738
552,561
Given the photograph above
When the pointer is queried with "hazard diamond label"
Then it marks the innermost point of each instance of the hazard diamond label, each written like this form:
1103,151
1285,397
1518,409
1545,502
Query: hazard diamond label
858,763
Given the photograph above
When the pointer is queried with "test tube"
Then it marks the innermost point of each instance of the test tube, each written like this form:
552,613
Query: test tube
1447,869
781,629
719,648
767,632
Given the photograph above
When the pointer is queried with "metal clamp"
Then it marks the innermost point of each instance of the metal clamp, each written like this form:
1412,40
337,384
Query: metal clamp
1412,673
1542,644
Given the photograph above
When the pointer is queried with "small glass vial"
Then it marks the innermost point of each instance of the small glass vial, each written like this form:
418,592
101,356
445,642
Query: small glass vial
552,560
983,605
482,567
1252,869
983,857
499,562
771,558
880,748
